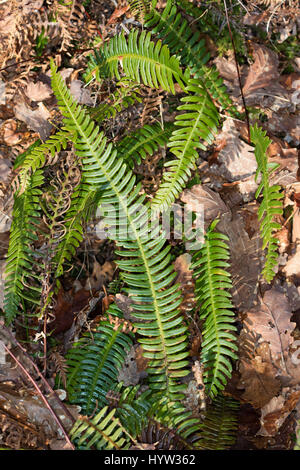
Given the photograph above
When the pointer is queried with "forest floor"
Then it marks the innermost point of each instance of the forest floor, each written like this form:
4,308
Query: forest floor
266,377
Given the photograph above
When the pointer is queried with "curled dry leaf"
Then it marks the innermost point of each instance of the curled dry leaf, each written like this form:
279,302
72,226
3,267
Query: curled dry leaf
38,91
202,200
37,119
117,13
129,373
263,78
100,275
271,321
80,93
10,134
274,413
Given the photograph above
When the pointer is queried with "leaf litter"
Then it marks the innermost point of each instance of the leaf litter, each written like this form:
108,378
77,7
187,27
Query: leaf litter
267,379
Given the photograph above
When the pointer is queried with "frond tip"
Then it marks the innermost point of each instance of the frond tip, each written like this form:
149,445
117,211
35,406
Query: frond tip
212,292
195,129
271,204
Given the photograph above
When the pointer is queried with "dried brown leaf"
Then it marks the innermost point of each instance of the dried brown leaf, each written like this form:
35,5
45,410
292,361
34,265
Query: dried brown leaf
37,119
236,160
81,94
203,200
274,413
263,77
259,381
271,321
38,91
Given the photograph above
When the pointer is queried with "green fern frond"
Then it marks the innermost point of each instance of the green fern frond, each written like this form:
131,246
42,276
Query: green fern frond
195,128
271,205
219,429
103,432
145,141
212,292
146,265
36,158
170,27
21,281
133,407
119,100
140,60
174,415
93,364
174,31
140,8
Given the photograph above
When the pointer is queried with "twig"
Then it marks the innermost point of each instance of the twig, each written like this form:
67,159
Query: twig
62,405
55,417
238,72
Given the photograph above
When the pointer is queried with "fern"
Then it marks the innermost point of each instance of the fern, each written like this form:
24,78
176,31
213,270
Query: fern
212,291
140,8
271,205
145,141
219,429
119,100
36,157
102,432
145,266
141,60
195,128
174,31
133,407
93,364
22,282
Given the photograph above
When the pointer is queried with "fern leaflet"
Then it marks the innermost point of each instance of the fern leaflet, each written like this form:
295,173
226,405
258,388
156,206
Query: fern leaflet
102,432
271,205
93,364
212,286
195,128
21,256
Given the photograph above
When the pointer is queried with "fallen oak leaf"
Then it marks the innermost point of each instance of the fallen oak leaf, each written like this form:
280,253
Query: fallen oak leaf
263,77
271,320
259,381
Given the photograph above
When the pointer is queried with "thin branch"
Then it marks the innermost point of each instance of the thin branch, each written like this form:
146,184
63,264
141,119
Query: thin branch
16,342
238,72
55,417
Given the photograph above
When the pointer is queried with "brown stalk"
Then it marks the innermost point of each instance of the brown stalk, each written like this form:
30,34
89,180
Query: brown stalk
55,417
15,341
238,72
